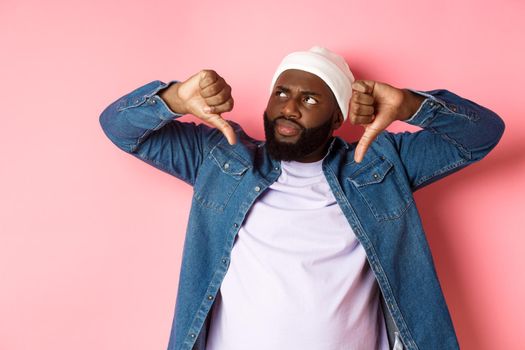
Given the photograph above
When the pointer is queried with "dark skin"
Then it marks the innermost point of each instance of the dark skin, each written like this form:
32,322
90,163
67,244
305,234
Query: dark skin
306,100
374,105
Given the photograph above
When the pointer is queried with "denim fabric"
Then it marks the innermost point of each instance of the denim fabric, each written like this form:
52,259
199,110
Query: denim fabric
376,196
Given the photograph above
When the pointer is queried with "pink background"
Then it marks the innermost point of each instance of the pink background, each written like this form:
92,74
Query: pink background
91,238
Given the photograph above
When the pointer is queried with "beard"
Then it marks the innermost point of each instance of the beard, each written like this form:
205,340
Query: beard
310,140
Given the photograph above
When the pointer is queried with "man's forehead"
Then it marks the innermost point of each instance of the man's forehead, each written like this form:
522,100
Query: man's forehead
302,79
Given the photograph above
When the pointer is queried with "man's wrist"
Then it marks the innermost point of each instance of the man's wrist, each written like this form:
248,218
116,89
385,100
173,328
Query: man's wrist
410,105
171,97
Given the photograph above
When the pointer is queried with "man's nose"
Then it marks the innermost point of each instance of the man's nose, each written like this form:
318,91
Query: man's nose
291,110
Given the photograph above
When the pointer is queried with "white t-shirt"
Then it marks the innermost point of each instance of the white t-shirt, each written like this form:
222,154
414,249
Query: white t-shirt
298,277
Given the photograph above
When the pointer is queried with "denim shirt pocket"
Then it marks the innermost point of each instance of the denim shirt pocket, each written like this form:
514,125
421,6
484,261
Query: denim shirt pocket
219,177
381,189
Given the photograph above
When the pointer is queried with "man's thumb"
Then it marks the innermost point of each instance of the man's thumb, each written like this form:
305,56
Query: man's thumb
371,131
218,122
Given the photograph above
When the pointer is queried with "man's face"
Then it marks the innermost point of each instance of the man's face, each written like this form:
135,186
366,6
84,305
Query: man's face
300,117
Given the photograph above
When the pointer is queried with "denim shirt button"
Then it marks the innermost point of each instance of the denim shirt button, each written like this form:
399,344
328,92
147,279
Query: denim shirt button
226,166
210,297
192,335
375,176
235,225
224,260
257,188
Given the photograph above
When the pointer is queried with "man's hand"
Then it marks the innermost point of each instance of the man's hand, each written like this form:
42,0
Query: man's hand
205,95
376,105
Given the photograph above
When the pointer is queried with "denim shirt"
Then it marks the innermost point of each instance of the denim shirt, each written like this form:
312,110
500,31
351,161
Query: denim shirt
376,197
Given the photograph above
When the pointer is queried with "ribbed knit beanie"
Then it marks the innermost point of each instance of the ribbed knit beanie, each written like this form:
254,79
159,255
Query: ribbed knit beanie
327,65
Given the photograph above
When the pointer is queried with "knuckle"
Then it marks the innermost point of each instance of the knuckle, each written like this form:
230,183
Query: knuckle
219,109
211,90
214,89
220,94
209,75
209,72
224,94
361,110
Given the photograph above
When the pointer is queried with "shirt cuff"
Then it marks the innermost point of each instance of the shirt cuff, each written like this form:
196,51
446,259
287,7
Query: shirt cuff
428,99
147,97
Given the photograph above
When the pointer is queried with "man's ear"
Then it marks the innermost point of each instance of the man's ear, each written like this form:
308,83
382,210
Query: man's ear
338,120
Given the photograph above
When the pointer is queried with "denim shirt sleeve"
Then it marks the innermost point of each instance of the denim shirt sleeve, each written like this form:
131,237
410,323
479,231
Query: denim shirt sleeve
456,133
140,123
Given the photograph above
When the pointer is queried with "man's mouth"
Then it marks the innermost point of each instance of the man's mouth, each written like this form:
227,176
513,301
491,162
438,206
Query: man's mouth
287,128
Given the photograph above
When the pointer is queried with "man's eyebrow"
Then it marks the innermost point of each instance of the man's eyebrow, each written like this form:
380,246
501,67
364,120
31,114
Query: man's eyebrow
305,92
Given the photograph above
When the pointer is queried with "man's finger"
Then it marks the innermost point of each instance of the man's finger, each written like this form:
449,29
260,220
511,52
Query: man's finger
365,86
359,120
218,122
222,108
207,77
359,110
361,98
218,98
366,140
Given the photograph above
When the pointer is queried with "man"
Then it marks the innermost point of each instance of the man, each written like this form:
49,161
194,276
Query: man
305,241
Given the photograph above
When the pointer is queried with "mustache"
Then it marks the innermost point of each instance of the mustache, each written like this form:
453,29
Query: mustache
287,119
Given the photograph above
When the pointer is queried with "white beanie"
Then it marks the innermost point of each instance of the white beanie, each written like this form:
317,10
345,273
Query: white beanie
328,66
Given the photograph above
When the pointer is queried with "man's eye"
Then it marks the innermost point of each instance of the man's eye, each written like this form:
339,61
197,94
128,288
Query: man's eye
310,100
280,94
